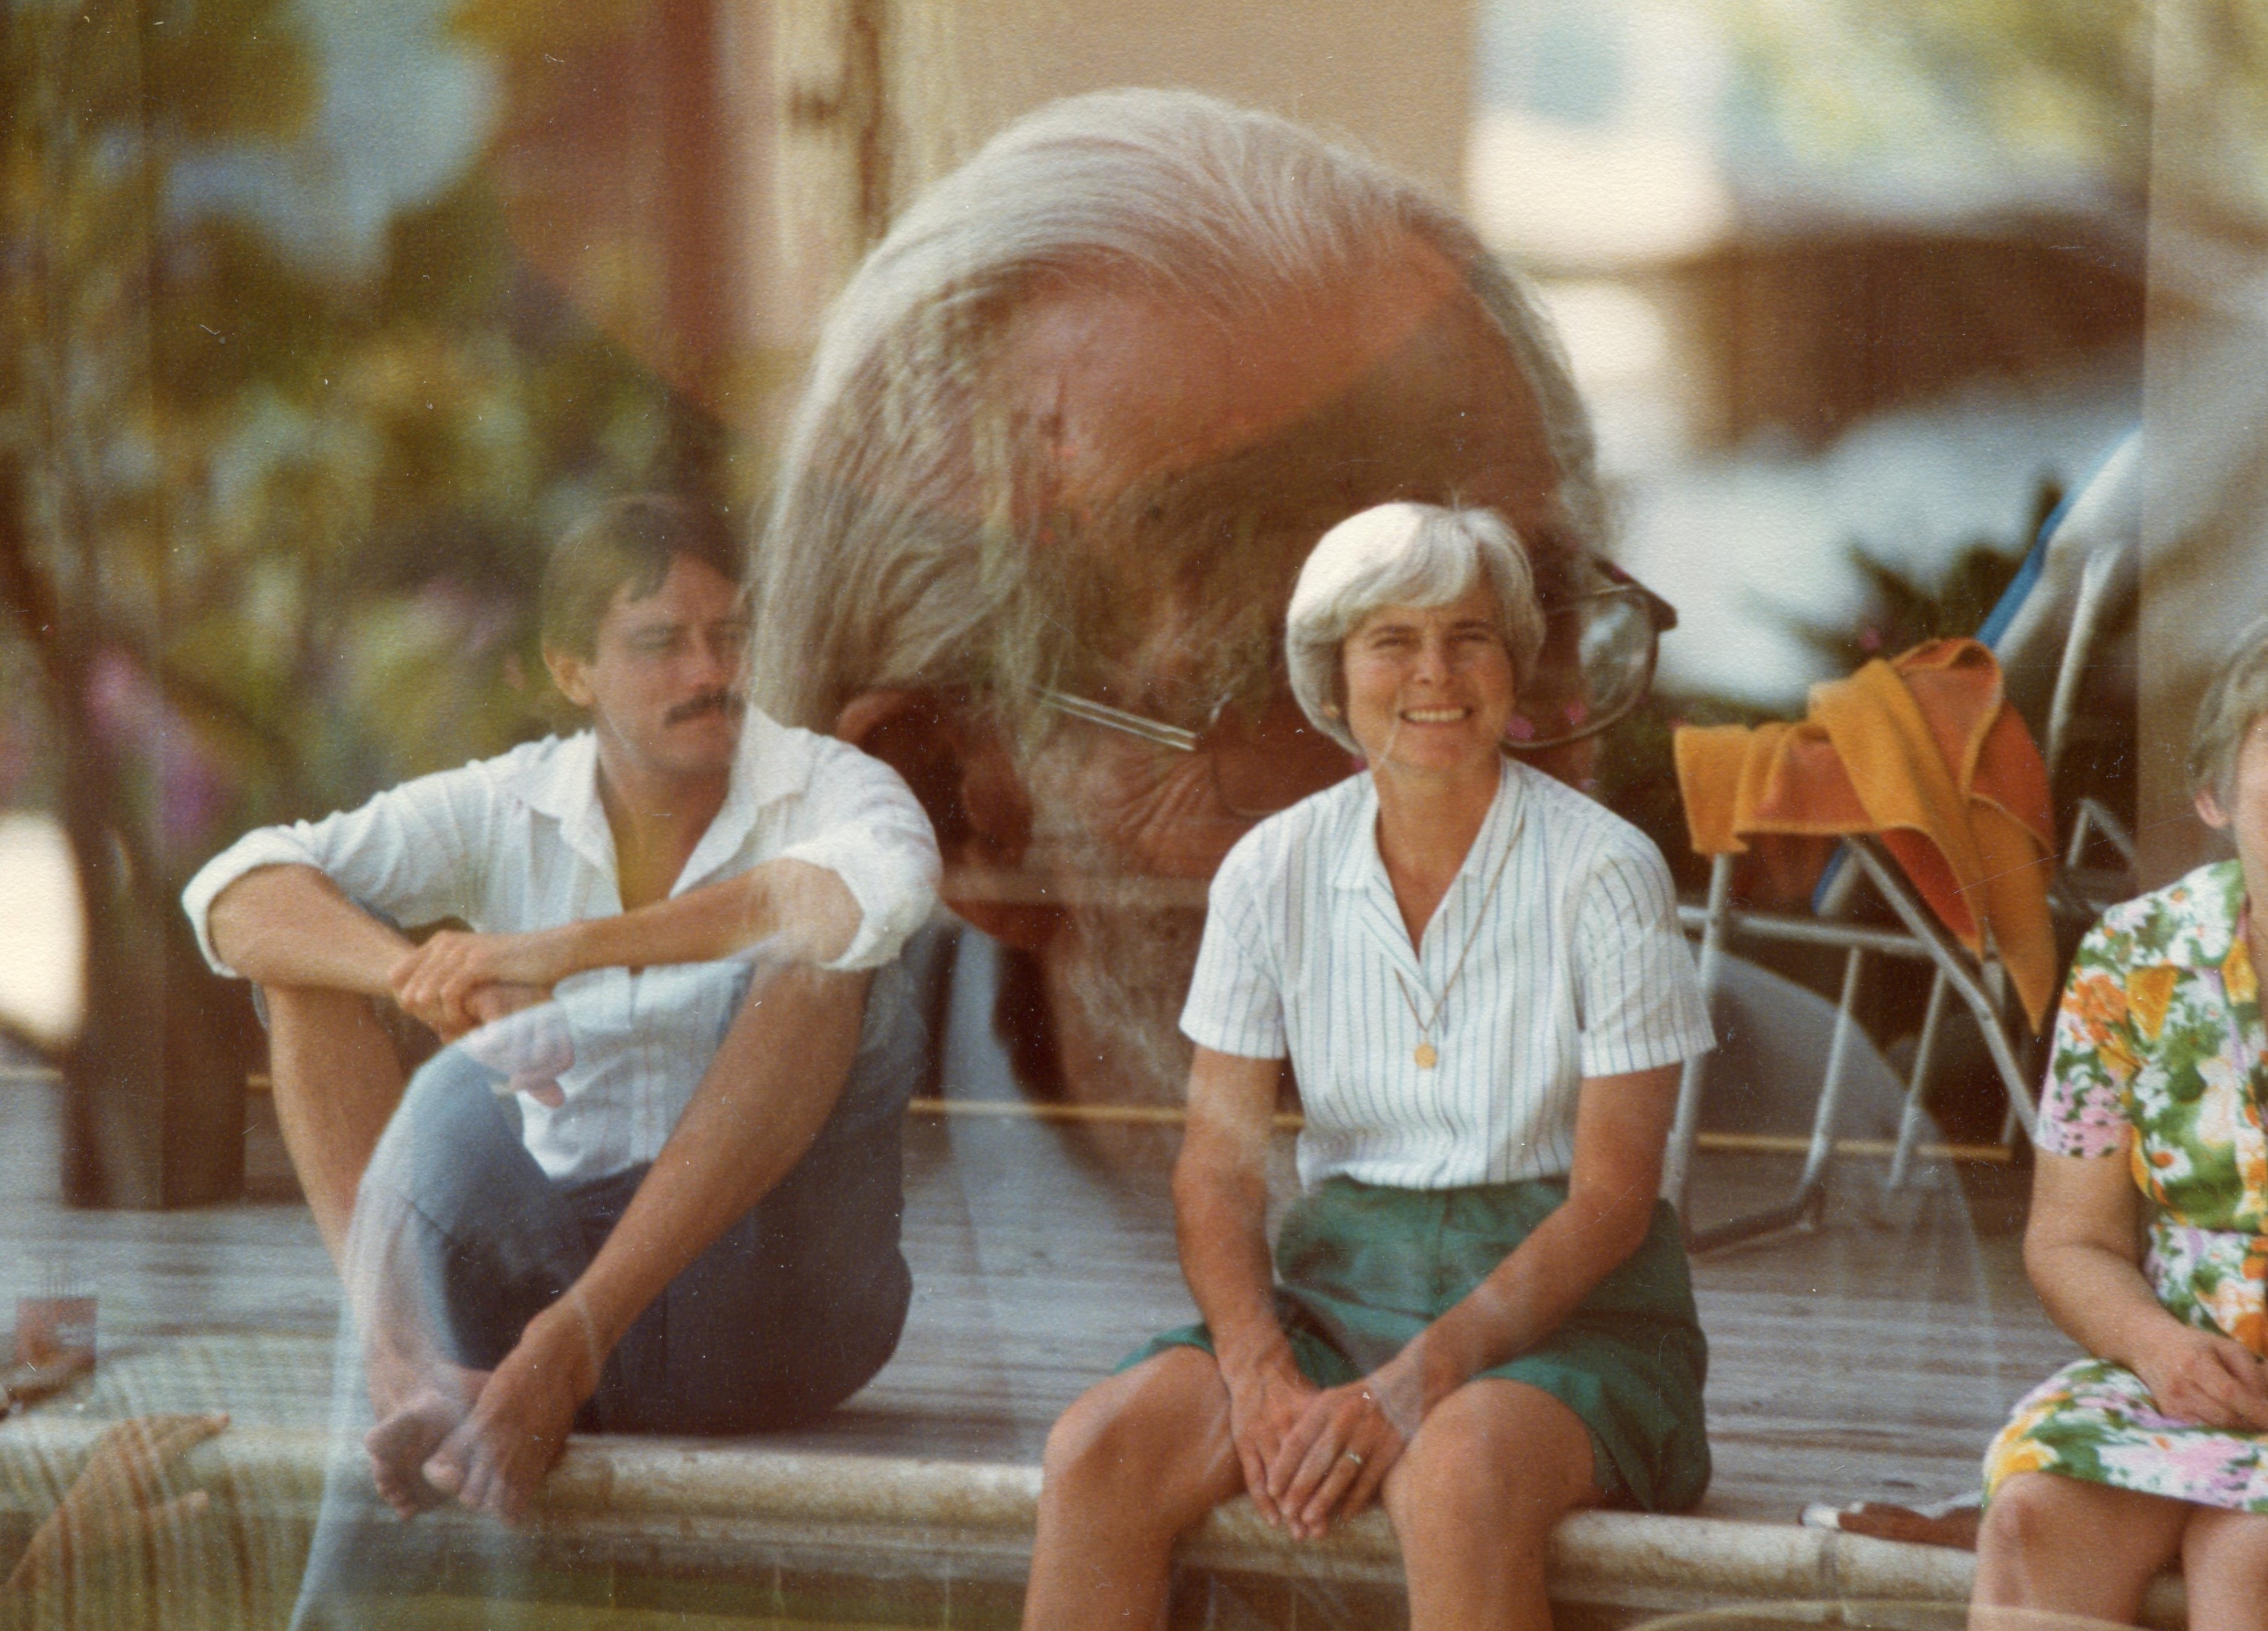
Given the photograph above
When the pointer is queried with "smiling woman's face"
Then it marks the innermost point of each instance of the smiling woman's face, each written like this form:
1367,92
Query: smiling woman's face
1429,689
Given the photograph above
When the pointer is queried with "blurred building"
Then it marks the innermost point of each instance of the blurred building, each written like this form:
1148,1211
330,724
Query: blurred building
703,176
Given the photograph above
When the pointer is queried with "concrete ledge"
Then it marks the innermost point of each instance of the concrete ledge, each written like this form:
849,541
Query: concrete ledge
678,1504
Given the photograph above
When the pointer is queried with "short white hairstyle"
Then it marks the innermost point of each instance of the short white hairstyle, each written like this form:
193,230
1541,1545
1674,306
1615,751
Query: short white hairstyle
2237,695
893,555
1401,555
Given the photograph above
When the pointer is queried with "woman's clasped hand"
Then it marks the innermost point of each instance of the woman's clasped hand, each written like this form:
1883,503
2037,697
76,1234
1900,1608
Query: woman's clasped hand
1313,1457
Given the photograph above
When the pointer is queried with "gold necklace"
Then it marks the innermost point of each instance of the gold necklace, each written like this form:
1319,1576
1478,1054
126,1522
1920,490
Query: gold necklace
1427,1055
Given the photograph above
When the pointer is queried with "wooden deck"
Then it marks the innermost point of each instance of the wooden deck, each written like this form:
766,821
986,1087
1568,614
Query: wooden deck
1869,1359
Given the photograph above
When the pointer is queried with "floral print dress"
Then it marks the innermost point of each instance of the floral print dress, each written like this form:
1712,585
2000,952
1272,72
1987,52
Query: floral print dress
2157,1058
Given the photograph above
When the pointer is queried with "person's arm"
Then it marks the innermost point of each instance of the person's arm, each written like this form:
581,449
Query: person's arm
805,910
771,1088
1621,1124
858,876
2082,1245
1220,1220
117,1501
290,924
2083,1254
283,906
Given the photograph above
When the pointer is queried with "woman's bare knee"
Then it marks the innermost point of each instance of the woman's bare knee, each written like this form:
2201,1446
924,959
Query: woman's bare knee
2225,1563
1160,1430
2024,1511
1498,1451
2050,1542
2036,1509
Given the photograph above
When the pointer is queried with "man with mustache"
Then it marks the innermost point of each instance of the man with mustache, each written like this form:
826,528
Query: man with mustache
691,1224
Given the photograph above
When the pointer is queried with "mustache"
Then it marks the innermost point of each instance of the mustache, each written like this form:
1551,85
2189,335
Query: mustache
729,703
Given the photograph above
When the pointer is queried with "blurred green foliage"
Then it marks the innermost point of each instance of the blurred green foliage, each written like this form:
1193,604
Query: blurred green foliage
2165,100
270,518
2069,82
1899,611
285,520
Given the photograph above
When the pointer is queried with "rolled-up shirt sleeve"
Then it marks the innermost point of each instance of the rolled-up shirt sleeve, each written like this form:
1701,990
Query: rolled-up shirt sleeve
861,822
1236,999
1640,997
412,853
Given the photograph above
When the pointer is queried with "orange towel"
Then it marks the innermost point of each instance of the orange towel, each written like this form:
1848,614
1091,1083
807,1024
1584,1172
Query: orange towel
1924,750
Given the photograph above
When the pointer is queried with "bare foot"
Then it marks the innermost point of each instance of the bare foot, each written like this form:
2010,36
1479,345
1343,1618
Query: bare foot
408,1434
493,1459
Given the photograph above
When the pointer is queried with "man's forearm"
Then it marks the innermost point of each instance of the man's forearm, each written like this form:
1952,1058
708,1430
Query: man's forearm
291,926
808,905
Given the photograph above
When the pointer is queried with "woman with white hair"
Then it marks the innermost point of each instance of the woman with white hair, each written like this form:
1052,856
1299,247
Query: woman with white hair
1479,1312
2148,1235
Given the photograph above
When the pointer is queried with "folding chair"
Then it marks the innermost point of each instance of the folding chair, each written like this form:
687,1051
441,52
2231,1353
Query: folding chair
2078,577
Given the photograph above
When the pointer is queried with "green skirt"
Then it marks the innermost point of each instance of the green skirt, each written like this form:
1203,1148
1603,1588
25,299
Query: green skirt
1362,1268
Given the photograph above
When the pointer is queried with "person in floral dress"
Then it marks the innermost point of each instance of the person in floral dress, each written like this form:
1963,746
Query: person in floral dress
2148,1238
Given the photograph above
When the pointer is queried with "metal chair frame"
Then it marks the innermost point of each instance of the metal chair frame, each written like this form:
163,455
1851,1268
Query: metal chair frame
1981,983
1981,986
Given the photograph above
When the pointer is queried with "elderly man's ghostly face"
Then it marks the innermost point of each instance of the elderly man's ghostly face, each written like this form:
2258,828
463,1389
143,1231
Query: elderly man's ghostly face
1187,466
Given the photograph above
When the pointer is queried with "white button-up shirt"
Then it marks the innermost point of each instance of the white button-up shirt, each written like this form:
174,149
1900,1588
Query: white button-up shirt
1578,969
520,841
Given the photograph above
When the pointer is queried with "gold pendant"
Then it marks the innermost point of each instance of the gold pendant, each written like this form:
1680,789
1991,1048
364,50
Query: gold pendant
1425,1056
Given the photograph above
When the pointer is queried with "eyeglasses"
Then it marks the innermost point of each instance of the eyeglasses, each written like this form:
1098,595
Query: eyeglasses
1595,666
1261,762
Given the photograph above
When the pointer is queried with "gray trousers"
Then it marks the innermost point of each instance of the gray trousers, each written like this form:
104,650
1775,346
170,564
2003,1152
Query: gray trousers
790,1311
783,1318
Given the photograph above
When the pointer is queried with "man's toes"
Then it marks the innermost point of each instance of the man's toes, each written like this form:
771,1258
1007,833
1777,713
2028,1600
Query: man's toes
445,1469
408,1500
405,1439
404,1488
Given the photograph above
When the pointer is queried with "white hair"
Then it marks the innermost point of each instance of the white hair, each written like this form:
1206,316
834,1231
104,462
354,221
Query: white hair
893,553
1401,555
2236,697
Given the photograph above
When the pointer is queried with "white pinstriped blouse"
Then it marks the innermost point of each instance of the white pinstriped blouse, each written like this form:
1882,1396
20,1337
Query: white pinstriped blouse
1580,970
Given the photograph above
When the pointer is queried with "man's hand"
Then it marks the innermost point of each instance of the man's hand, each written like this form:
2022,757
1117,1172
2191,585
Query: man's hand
2197,1376
1264,1400
517,1426
458,979
1331,1462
